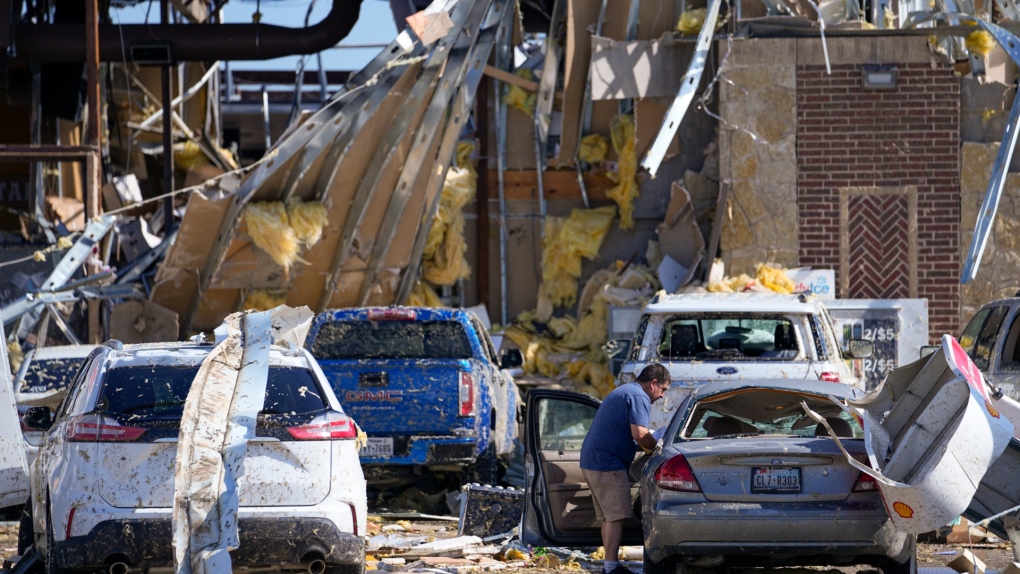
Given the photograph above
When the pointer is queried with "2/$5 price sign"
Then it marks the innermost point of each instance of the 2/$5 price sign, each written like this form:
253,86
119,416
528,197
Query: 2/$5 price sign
879,326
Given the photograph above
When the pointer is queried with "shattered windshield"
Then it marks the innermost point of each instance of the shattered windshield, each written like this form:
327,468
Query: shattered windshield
731,337
49,375
392,340
767,412
160,391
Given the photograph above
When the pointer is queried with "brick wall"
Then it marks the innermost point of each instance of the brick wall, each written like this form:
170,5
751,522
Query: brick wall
851,138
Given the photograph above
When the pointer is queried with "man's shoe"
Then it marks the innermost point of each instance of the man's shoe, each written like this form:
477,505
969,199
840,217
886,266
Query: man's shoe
620,569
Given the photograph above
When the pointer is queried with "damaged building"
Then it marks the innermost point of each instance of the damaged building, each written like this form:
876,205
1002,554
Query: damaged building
550,160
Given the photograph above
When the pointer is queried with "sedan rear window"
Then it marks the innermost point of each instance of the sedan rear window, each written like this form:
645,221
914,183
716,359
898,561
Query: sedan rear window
159,391
731,337
392,340
760,412
49,375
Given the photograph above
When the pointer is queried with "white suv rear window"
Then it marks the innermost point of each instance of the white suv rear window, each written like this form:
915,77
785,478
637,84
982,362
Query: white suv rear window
732,337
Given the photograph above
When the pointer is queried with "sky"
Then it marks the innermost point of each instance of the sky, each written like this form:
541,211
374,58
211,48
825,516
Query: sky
374,26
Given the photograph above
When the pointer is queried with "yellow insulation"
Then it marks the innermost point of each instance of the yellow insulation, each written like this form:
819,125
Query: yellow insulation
774,279
888,19
307,220
443,261
626,190
766,279
264,299
566,242
691,21
270,229
594,148
518,97
980,43
188,156
15,356
423,295
569,349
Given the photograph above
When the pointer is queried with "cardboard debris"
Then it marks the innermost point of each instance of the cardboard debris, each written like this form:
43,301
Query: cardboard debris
967,563
68,211
142,321
680,239
638,69
430,26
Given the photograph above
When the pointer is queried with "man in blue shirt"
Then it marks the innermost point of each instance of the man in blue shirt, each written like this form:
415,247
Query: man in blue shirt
609,449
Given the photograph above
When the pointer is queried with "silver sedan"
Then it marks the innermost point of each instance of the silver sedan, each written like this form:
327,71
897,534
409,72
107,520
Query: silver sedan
743,477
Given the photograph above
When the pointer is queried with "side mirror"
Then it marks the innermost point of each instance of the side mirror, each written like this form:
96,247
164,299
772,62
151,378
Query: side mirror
38,418
859,349
929,350
511,359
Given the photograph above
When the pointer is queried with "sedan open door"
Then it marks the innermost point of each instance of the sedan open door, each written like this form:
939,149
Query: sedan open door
559,510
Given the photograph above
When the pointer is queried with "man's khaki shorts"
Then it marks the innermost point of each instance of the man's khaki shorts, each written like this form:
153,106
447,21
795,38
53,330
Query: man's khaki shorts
610,491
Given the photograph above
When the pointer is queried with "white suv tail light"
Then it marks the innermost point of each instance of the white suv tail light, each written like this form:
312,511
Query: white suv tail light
94,427
330,426
466,394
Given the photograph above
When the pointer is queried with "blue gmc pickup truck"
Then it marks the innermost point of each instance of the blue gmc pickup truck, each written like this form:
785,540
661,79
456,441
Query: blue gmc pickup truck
427,387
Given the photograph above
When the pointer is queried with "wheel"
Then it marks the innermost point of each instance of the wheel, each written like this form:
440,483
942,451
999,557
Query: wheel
667,566
484,470
909,566
26,530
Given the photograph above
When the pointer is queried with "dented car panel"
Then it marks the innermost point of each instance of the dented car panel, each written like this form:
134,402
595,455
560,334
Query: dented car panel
424,384
100,500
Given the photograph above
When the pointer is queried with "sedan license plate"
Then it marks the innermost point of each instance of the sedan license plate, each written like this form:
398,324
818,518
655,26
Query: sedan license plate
766,479
378,447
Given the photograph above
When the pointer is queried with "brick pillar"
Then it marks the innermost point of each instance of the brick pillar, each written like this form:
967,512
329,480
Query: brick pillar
861,156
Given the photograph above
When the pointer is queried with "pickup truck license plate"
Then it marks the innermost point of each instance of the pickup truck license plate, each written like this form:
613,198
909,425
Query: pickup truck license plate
378,447
767,479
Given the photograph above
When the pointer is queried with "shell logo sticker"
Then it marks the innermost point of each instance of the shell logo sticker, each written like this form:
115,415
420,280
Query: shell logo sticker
903,510
992,410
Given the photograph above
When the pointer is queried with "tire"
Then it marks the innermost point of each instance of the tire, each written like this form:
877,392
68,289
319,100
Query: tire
485,470
669,565
26,530
907,567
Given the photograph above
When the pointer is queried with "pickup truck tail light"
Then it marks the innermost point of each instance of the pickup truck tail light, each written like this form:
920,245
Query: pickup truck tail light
466,394
829,377
97,428
676,474
330,426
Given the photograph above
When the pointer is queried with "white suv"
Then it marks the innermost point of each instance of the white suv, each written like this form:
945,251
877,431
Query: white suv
102,486
705,337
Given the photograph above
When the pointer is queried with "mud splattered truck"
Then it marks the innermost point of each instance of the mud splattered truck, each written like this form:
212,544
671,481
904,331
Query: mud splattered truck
426,385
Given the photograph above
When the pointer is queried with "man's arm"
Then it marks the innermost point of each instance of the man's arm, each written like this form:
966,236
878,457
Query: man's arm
643,437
